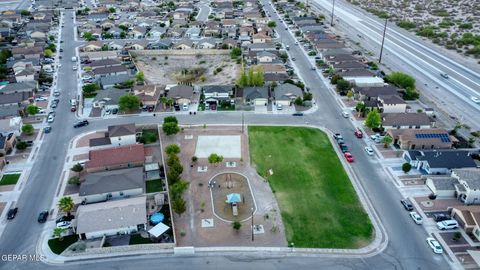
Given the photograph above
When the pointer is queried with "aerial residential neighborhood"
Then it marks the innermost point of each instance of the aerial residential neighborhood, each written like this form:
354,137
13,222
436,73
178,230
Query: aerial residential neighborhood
242,134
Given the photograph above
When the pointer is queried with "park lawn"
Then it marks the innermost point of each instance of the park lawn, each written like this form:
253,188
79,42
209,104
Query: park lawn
318,204
153,185
58,246
9,179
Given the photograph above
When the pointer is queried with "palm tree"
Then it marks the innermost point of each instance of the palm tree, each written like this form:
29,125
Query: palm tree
170,102
163,101
57,233
66,205
387,140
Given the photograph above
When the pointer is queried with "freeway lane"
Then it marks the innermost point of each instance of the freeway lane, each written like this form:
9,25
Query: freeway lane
413,57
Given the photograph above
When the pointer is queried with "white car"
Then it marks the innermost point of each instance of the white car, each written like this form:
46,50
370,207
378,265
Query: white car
416,218
41,99
56,94
74,68
64,225
50,118
345,114
447,224
369,150
475,99
434,245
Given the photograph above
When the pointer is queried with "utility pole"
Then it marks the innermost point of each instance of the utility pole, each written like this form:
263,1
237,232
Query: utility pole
333,10
243,123
383,41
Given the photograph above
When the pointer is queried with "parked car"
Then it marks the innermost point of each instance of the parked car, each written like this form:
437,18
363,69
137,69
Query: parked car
279,107
369,150
475,99
37,99
12,213
297,114
440,217
50,118
56,94
444,75
434,245
81,124
64,224
74,67
345,114
293,59
47,129
416,218
348,157
358,134
447,224
65,218
337,136
343,147
73,109
407,205
42,217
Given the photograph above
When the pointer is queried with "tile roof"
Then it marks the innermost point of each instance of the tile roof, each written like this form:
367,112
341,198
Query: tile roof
116,156
111,181
121,130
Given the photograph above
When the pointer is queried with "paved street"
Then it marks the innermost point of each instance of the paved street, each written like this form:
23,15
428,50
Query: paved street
406,250
405,52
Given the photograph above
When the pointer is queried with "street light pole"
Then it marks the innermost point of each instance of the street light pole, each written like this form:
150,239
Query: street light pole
333,10
383,41
252,224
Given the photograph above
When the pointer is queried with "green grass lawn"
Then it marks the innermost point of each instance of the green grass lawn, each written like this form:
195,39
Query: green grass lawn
153,185
136,239
58,246
318,204
9,179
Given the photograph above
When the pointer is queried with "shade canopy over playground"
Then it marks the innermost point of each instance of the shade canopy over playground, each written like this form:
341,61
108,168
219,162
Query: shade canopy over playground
234,198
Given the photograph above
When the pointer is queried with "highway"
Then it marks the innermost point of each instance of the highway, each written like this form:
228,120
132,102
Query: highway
406,248
403,51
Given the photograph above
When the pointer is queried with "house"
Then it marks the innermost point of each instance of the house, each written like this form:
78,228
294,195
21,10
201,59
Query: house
148,94
266,57
93,46
115,158
92,56
468,217
439,161
391,104
207,44
372,93
443,186
7,142
214,94
407,120
26,75
111,218
468,189
182,94
286,93
156,33
193,32
110,71
104,63
261,38
273,69
111,185
11,125
256,95
122,134
183,44
362,78
108,99
428,138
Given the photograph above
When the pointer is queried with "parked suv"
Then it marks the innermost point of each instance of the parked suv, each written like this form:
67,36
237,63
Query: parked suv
81,124
447,224
42,217
440,217
407,205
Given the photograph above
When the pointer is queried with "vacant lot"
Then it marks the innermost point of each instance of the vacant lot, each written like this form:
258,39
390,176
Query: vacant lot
318,203
187,66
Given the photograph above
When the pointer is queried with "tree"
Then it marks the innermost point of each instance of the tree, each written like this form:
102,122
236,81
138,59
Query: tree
48,53
32,109
128,103
235,53
236,225
88,36
194,159
272,24
401,80
170,119
411,94
406,167
386,140
170,128
28,129
373,119
140,77
336,78
4,55
215,159
66,205
90,88
123,35
343,86
307,96
58,232
78,168
172,149
25,12
350,94
74,180
179,205
111,10
21,145
298,101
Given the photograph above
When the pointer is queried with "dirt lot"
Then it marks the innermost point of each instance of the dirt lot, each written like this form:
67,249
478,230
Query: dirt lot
194,66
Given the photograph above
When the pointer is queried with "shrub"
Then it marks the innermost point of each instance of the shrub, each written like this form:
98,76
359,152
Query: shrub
21,145
28,129
236,225
172,149
406,167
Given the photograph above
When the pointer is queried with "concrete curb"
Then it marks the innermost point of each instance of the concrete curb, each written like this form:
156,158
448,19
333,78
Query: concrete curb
373,248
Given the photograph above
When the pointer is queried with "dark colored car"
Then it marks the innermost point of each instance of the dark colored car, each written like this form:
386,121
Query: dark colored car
440,217
81,124
115,111
297,114
358,134
65,218
12,213
42,217
343,147
337,136
47,129
407,205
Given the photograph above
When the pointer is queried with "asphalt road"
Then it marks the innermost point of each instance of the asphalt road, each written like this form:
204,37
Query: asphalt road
405,52
406,250
204,11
